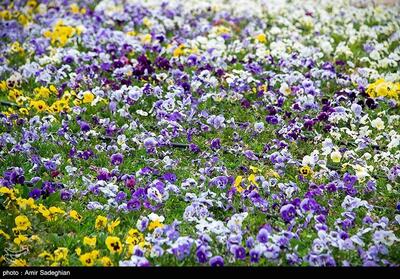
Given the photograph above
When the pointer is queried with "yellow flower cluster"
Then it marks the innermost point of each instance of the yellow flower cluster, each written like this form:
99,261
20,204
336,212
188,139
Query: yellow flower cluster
182,49
22,18
13,201
51,214
29,215
90,258
113,243
44,99
17,48
26,210
61,34
133,238
58,257
382,88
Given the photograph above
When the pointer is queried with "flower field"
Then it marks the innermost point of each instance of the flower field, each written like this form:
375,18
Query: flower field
199,133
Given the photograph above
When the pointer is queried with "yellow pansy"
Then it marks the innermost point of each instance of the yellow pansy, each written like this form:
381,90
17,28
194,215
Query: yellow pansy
24,203
63,105
61,254
261,38
101,222
222,30
20,100
20,239
40,105
16,47
238,180
6,15
132,241
134,237
72,92
263,87
178,51
9,193
44,211
6,191
66,96
90,241
53,210
88,97
106,261
87,259
41,92
14,94
22,222
54,108
56,210
114,244
382,88
53,88
60,34
24,111
23,19
75,215
305,170
145,245
31,3
95,254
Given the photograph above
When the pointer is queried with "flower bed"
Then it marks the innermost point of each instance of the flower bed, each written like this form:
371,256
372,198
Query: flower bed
147,133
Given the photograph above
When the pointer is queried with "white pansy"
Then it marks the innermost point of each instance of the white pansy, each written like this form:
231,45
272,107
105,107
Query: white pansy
361,172
336,156
378,124
121,139
285,89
